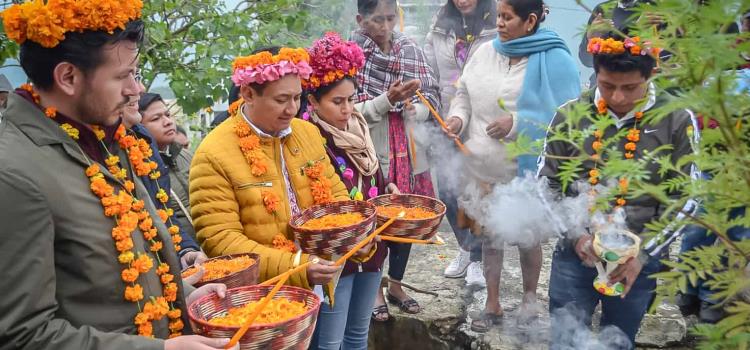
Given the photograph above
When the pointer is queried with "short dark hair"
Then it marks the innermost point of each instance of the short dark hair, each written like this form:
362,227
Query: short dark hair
367,7
625,62
524,9
83,50
259,88
147,99
324,90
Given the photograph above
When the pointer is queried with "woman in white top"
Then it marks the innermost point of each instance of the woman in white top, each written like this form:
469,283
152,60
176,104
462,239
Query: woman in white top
458,30
510,86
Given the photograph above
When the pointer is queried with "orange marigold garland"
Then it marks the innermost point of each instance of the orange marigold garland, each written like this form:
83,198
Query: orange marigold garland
46,23
633,136
320,186
249,145
282,243
129,214
270,201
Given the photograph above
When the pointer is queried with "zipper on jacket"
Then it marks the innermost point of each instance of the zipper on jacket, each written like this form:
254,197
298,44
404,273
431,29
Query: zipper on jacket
255,184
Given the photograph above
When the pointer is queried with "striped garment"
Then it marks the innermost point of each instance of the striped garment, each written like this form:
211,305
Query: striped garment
405,62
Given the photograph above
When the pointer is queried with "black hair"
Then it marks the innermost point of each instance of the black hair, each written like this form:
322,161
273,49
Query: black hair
234,94
84,50
449,18
259,88
147,99
324,90
524,9
625,62
367,7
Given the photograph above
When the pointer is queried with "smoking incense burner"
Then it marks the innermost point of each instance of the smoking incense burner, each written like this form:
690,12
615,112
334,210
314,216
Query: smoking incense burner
614,247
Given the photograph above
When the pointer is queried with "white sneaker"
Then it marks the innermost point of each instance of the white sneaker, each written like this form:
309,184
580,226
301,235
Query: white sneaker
457,267
475,275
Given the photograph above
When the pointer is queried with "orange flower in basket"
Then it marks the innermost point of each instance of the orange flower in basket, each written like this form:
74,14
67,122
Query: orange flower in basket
277,310
218,268
333,221
412,213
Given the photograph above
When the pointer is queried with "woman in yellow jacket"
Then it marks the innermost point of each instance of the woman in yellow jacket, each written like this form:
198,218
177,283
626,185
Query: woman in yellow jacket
261,166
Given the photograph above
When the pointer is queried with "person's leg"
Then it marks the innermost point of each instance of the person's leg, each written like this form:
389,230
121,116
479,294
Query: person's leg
493,267
358,321
531,267
572,299
397,260
329,331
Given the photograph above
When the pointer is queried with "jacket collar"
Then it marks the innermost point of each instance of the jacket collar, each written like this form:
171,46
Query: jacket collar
33,123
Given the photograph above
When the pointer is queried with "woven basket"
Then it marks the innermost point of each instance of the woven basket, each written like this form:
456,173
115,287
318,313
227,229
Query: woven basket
411,228
333,241
294,333
241,278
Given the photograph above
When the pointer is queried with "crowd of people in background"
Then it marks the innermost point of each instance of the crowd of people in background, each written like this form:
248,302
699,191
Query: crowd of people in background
340,120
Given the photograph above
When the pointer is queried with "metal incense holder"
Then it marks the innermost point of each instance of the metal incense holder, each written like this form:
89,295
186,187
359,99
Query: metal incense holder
613,247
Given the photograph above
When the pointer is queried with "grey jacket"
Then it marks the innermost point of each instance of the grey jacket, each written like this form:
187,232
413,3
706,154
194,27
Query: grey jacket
178,160
672,130
59,274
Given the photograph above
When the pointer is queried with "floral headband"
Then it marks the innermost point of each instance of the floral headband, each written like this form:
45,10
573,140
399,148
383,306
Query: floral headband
332,59
47,23
610,46
265,67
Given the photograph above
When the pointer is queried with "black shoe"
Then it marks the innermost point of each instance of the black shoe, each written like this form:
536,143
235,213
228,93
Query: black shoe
711,313
689,304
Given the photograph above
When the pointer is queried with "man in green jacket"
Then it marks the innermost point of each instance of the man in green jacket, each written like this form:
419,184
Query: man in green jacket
87,261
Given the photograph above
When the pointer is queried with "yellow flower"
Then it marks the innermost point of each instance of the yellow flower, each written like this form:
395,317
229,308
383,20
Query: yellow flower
126,257
70,130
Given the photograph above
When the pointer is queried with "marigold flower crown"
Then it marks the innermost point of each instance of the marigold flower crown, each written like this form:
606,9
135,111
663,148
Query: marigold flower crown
611,46
332,59
46,23
266,67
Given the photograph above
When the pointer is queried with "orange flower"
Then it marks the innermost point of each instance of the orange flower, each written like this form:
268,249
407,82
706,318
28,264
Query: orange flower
155,175
596,145
630,146
98,132
161,195
271,201
249,143
280,242
594,173
174,314
177,239
174,229
598,134
634,135
50,112
170,292
112,160
143,264
129,186
629,155
258,167
638,115
635,50
314,170
140,318
595,156
620,202
162,269
146,330
70,130
134,293
593,180
119,233
175,325
146,224
601,106
124,245
156,246
162,214
129,275
321,191
92,170
166,278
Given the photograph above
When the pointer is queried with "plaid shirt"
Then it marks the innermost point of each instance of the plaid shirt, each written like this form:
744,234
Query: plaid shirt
406,62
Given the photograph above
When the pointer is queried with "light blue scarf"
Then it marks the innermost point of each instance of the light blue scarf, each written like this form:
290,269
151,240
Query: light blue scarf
552,78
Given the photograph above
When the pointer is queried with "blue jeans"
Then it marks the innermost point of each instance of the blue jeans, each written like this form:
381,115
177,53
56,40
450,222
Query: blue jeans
347,325
571,288
697,236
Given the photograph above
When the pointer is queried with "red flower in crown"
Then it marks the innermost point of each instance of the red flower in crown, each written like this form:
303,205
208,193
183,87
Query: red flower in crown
333,59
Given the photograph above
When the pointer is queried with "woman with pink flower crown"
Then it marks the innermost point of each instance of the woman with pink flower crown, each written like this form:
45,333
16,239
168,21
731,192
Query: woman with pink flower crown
331,91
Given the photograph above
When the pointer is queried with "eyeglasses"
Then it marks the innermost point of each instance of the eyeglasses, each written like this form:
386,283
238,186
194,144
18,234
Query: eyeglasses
138,76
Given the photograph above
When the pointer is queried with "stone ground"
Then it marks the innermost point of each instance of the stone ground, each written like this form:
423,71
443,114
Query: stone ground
444,321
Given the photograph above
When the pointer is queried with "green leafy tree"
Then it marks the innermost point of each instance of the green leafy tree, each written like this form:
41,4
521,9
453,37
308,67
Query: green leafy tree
702,77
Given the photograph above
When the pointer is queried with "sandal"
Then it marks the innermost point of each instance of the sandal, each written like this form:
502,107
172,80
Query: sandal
409,305
485,322
379,311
